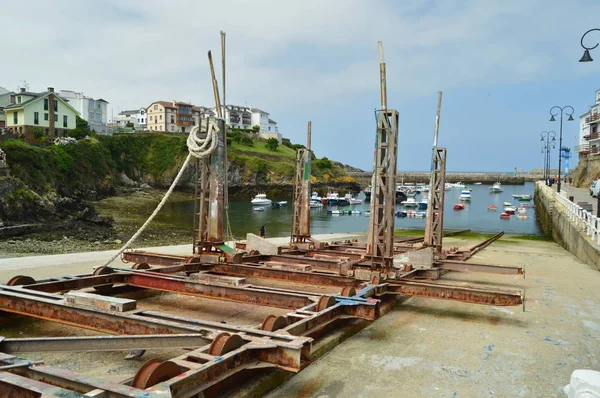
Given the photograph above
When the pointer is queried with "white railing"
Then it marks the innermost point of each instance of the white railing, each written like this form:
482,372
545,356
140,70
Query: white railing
582,219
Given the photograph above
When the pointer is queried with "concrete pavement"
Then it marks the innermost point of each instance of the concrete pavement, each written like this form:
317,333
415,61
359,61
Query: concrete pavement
580,195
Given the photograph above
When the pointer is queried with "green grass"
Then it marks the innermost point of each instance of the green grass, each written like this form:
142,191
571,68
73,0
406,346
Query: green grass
409,232
260,148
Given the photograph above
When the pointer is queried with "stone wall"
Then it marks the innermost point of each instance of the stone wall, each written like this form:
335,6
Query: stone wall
556,224
364,178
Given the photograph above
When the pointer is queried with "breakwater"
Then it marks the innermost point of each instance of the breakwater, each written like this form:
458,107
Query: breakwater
364,178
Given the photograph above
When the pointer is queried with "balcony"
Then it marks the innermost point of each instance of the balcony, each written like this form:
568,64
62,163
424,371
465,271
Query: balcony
582,149
592,119
592,136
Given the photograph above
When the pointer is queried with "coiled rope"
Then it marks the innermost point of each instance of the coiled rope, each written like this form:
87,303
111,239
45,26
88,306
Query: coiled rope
200,146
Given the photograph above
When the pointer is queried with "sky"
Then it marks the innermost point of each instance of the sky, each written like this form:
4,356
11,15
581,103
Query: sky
500,64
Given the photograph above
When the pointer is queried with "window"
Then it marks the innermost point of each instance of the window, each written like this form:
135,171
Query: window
172,119
155,107
160,117
56,117
151,118
19,99
55,105
65,120
45,104
36,118
15,118
45,116
98,105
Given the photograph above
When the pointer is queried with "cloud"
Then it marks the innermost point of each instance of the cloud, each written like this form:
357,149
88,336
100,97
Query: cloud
288,56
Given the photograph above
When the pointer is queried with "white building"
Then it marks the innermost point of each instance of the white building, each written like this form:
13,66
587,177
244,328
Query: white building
245,118
93,110
589,131
138,117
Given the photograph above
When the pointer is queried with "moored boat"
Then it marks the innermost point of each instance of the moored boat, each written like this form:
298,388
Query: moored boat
510,210
260,200
465,195
505,216
259,208
497,187
410,202
458,206
492,208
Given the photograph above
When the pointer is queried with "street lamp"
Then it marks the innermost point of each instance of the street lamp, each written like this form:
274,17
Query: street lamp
550,138
552,119
586,54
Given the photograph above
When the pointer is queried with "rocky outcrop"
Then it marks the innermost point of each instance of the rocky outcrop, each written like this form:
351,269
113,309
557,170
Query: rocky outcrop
24,211
587,170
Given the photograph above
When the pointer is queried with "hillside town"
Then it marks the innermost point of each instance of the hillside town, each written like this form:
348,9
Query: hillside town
24,113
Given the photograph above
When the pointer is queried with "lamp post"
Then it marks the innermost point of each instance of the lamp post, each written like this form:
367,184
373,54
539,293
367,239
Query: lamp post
586,54
552,119
549,137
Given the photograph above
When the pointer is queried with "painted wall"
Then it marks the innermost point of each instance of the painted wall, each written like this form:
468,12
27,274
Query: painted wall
26,117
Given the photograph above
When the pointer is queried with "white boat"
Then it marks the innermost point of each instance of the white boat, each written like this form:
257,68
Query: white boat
465,195
259,208
447,186
315,196
497,187
522,210
336,212
420,214
506,204
314,204
282,203
410,202
477,183
352,200
356,212
260,200
457,185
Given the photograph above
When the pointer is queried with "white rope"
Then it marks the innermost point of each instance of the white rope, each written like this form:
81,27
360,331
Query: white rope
198,147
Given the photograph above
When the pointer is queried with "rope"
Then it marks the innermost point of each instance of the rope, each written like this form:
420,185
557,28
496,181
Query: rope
198,147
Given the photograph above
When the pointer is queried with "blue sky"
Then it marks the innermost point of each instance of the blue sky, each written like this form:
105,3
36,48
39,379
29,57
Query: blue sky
501,66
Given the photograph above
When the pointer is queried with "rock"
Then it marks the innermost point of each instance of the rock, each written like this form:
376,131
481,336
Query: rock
145,186
97,242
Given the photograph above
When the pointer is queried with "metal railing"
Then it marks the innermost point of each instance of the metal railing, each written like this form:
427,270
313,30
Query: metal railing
583,148
582,219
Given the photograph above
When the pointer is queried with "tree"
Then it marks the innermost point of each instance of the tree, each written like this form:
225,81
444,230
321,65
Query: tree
130,125
256,128
272,144
82,128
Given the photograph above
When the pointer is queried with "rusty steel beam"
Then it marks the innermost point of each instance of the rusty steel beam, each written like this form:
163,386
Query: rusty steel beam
312,278
82,282
102,343
228,293
464,294
461,266
141,256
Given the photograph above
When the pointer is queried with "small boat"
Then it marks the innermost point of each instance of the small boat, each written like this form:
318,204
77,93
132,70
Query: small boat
400,214
477,183
411,213
521,211
335,212
423,203
458,206
352,200
524,198
409,202
315,196
356,212
367,192
497,187
420,214
457,185
259,208
506,204
510,210
315,204
522,216
279,204
465,195
282,203
260,200
332,198
367,213
492,208
505,216
343,202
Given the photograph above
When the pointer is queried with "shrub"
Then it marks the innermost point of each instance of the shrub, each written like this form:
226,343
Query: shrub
272,144
323,164
129,125
245,140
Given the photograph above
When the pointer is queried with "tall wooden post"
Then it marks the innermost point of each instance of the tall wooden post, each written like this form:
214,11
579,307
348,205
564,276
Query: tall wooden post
380,241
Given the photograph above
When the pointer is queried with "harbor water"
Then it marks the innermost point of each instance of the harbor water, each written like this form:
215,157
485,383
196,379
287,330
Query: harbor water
277,221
